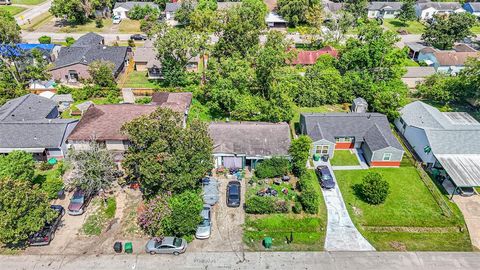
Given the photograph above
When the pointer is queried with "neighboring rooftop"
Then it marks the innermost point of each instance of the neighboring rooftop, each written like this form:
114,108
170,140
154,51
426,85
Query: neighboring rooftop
130,5
274,18
419,72
26,108
442,6
250,138
453,58
103,122
372,128
311,57
385,5
179,102
88,40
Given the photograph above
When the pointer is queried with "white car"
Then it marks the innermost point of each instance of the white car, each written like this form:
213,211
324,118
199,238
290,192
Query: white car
116,19
204,229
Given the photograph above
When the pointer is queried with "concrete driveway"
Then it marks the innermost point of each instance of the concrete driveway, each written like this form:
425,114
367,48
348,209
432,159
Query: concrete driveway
470,207
341,233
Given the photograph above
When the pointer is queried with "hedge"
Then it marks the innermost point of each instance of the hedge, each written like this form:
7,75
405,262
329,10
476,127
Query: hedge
272,167
265,205
309,198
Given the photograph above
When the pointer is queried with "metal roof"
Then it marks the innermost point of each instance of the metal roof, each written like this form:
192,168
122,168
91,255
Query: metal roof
464,170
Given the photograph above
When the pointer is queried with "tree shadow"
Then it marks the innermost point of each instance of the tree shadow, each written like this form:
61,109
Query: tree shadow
357,190
398,23
39,179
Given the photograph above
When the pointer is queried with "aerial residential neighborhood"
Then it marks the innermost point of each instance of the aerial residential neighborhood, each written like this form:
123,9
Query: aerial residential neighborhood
243,134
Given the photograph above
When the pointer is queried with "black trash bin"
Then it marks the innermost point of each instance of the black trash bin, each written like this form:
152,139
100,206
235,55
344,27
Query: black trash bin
117,247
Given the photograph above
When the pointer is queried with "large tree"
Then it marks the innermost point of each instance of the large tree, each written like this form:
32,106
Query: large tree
24,210
443,31
9,29
407,12
164,155
296,11
241,30
78,11
93,168
358,8
17,165
176,47
101,73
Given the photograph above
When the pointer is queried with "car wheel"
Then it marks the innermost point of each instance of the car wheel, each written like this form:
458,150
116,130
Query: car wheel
176,253
152,252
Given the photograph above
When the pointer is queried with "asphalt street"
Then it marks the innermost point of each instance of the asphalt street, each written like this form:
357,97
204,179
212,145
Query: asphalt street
250,260
34,11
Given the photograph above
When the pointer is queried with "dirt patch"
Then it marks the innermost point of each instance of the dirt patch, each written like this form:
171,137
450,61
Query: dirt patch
413,229
398,246
227,227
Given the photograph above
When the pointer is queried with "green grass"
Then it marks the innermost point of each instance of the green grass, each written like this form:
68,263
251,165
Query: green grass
412,27
87,27
96,222
200,112
14,10
308,230
37,22
476,29
129,26
27,2
411,206
139,79
344,158
410,63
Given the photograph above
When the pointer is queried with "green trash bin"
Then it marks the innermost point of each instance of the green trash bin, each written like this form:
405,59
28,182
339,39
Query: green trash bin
52,161
128,247
316,157
267,242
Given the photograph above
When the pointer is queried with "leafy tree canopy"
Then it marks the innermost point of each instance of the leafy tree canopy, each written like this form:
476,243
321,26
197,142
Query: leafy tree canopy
17,165
101,73
407,12
296,11
443,31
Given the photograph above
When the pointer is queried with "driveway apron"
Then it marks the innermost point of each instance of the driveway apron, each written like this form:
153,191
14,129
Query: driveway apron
341,233
470,207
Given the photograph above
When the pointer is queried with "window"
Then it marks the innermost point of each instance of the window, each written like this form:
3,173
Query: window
387,156
343,139
401,121
322,149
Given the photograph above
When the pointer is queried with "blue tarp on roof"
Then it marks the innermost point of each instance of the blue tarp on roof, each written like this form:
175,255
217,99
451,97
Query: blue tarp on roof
15,50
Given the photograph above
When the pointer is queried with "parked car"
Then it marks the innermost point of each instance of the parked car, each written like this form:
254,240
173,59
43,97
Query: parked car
46,234
138,37
325,177
167,245
466,191
116,19
204,229
78,203
233,194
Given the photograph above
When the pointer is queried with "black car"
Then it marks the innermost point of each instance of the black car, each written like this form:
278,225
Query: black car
138,37
233,194
46,234
325,177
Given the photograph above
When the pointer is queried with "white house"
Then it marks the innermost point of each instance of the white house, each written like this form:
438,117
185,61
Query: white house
426,10
387,10
122,8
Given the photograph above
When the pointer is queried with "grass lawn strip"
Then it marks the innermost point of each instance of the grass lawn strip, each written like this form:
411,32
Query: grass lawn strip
139,79
27,2
344,158
412,27
98,220
14,10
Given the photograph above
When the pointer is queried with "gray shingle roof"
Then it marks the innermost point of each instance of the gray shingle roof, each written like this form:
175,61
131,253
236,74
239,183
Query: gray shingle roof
419,72
172,7
371,128
34,134
443,6
88,40
130,5
250,138
86,55
385,5
25,108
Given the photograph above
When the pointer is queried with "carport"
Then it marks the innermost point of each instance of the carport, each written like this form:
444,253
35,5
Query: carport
464,170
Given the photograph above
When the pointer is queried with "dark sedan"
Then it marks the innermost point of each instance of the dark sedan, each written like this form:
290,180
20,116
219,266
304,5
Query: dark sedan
325,177
233,194
78,203
46,234
138,37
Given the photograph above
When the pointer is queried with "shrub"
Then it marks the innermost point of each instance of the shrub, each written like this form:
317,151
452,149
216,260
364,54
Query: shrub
139,12
98,22
281,206
260,205
43,166
309,198
52,186
69,41
111,207
131,43
299,151
297,208
45,40
143,100
273,167
373,189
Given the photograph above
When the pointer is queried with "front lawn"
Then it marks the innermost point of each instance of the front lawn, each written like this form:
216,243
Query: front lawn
88,27
98,220
27,2
139,79
412,27
410,219
14,10
128,26
344,158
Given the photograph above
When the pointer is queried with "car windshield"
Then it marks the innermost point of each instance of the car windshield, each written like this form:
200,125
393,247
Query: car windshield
326,177
177,242
234,196
77,199
205,223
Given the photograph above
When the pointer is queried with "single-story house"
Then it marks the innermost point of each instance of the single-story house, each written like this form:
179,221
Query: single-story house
369,133
416,75
244,144
179,102
72,63
103,124
305,58
384,10
273,20
30,123
121,9
450,61
426,9
444,140
473,8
